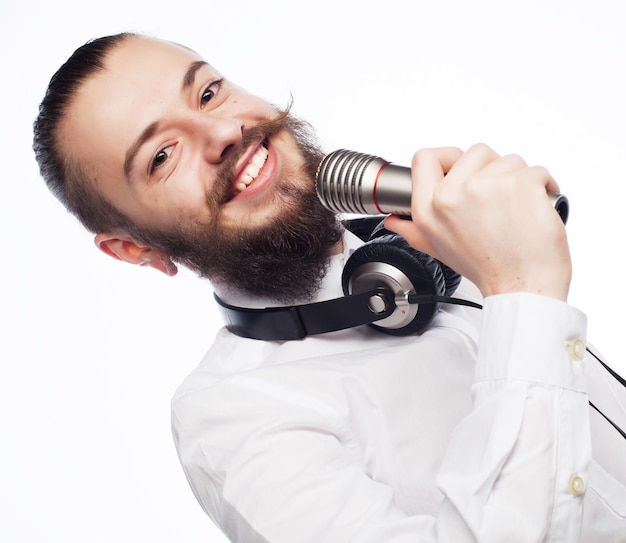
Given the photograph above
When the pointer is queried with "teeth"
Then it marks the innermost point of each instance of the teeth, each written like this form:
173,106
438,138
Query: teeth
253,169
259,159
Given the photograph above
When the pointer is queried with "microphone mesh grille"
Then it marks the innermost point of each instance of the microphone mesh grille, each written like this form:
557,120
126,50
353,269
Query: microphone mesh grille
339,180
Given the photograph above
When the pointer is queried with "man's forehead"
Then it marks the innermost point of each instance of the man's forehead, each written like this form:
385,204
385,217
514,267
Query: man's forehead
141,50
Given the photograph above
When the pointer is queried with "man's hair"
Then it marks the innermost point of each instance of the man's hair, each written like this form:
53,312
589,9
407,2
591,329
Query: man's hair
66,178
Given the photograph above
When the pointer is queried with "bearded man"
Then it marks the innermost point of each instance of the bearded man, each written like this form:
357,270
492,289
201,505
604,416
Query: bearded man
476,429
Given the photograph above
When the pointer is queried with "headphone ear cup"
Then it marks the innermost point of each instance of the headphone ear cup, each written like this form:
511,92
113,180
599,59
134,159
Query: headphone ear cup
452,278
389,261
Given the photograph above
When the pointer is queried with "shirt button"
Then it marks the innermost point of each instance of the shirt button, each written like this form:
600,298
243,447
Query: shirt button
576,485
576,348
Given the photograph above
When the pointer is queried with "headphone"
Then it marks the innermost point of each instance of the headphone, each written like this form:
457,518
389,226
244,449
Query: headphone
386,283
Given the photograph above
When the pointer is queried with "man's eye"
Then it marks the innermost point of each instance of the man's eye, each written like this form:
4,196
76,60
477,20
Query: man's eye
209,92
161,157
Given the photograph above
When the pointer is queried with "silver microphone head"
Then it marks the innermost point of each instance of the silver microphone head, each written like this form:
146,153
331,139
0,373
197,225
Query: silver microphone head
347,182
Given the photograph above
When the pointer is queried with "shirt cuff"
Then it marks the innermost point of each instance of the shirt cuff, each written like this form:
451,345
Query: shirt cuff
532,338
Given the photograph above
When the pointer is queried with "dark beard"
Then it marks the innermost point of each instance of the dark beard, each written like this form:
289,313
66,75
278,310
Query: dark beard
285,259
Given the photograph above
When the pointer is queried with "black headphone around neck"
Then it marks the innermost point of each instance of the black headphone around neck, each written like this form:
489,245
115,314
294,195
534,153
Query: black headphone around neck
387,284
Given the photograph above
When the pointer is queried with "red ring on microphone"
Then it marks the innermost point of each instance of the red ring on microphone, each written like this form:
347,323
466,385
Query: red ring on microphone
375,185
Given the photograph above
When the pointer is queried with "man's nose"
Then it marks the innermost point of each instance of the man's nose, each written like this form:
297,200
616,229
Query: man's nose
220,135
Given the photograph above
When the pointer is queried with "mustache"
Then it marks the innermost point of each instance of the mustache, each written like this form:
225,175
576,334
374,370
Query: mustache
223,188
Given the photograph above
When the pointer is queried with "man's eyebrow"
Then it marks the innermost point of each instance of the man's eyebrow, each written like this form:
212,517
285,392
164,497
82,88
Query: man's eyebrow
151,129
190,75
131,154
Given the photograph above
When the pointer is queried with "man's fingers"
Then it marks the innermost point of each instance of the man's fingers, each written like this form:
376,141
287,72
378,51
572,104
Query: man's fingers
475,159
429,167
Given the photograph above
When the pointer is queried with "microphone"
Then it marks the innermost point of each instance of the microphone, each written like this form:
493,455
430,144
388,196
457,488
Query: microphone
351,182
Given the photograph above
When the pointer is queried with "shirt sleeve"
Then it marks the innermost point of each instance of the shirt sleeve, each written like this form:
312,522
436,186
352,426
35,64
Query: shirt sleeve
516,466
514,470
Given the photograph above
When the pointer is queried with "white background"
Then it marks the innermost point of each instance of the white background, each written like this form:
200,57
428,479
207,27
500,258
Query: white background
91,349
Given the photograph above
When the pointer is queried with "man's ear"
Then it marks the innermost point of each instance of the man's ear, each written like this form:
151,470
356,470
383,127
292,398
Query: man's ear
122,247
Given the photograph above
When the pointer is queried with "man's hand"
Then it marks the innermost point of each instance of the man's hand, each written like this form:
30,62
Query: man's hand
490,219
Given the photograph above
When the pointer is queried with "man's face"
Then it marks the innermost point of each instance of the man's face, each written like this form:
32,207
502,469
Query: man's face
199,164
158,125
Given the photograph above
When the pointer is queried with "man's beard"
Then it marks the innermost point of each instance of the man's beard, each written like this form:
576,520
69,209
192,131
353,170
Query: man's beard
284,259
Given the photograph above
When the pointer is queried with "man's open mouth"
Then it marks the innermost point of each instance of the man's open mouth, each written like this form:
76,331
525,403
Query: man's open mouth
252,169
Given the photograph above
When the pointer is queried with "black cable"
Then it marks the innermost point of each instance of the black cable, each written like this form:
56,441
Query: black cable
432,299
617,376
619,379
608,420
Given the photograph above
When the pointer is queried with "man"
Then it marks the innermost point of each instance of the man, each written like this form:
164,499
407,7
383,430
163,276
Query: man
478,429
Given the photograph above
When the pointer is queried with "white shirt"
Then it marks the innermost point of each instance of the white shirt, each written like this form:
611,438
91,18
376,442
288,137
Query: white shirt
477,430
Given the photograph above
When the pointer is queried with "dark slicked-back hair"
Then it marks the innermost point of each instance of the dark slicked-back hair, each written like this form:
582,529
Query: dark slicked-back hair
66,178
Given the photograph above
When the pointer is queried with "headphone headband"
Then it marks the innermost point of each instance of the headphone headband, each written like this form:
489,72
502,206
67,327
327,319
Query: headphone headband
298,321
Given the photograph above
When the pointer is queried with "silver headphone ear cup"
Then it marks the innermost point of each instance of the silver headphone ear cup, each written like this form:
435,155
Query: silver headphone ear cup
371,275
390,262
